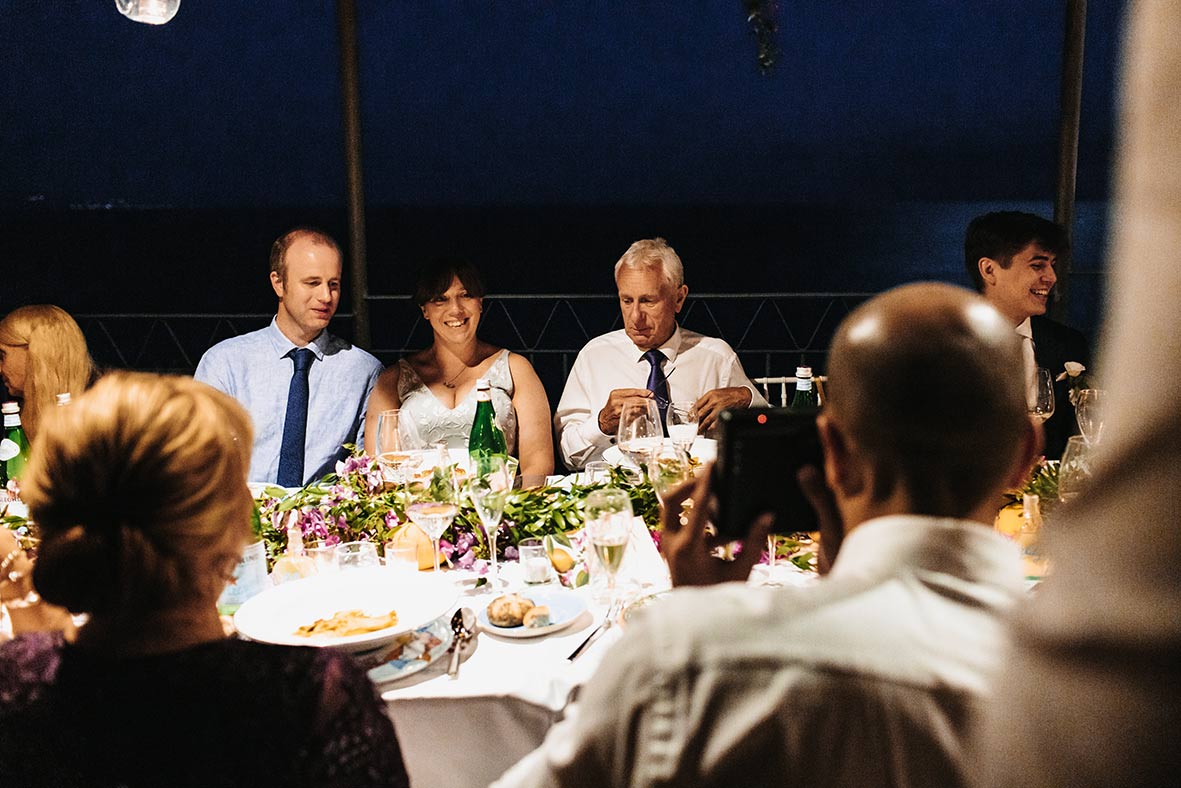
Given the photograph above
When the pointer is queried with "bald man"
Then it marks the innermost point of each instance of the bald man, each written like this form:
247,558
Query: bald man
869,677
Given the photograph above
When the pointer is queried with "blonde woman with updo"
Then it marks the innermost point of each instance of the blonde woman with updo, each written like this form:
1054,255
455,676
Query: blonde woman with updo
139,489
42,354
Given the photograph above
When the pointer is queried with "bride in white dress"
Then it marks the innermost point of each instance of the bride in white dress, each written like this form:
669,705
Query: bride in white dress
436,387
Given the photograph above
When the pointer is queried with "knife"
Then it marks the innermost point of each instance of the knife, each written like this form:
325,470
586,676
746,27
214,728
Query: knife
596,632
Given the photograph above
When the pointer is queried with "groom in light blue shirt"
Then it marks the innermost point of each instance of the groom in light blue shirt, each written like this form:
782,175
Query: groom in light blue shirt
305,389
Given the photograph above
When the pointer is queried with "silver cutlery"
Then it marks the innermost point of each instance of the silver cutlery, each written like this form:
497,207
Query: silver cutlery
463,624
612,613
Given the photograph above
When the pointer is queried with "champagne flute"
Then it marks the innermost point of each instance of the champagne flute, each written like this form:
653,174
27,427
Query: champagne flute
397,446
639,430
668,468
608,521
434,507
682,424
1041,396
1088,410
488,490
1074,471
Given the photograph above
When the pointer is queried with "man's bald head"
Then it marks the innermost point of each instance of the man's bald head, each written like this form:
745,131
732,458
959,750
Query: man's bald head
926,381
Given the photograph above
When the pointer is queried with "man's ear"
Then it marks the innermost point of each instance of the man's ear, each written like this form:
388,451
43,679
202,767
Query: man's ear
682,291
277,284
843,473
987,267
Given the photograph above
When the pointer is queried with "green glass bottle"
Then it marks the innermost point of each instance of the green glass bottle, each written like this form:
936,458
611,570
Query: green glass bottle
805,398
14,446
485,439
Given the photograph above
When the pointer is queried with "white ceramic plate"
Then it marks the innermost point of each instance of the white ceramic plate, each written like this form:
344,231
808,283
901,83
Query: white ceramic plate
704,449
274,615
564,606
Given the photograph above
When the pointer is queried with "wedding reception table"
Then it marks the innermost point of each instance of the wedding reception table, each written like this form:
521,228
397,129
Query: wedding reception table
509,691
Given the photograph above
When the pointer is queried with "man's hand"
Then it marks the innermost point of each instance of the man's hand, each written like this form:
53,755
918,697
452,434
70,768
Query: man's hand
714,402
609,415
688,548
832,528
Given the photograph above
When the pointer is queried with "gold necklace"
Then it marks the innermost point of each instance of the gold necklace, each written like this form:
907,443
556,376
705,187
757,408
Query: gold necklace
451,383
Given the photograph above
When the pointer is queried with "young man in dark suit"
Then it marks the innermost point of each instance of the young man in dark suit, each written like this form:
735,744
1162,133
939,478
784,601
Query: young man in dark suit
1011,259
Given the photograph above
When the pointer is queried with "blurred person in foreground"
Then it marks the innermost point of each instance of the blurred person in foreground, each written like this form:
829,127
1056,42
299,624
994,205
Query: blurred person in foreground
436,387
650,357
139,489
1011,258
1091,695
867,678
305,389
42,354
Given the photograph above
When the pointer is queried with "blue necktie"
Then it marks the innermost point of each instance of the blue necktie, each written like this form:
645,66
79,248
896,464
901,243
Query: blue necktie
657,383
295,425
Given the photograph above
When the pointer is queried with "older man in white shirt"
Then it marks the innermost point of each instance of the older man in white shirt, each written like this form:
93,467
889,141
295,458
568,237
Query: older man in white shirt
650,357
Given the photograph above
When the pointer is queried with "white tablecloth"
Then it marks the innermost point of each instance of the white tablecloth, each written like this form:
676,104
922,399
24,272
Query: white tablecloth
467,731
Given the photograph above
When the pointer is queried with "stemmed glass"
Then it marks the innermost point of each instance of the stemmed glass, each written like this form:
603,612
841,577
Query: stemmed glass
608,522
488,489
1074,471
668,468
397,446
1041,396
1088,410
682,424
434,507
639,430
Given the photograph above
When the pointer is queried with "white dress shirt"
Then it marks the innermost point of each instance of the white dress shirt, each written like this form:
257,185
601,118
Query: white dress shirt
696,364
868,678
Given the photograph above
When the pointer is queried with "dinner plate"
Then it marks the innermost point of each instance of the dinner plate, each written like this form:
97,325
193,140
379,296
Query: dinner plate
274,615
410,652
704,449
564,606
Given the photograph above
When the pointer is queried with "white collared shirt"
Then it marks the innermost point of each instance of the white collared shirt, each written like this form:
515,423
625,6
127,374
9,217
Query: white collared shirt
696,364
867,678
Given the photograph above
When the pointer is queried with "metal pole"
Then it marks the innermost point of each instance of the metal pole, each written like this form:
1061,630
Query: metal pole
1070,104
346,28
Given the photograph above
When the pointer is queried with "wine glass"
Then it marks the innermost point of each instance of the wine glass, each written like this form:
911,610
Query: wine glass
682,424
434,506
608,522
639,430
397,446
1088,410
668,468
488,489
1074,471
1041,396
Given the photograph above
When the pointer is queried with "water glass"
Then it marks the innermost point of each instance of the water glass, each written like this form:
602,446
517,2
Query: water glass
596,472
402,558
1041,396
1074,471
323,555
640,432
1088,410
535,564
682,424
356,555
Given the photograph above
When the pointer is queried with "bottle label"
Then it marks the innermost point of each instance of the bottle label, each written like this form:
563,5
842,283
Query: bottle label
803,384
8,449
12,419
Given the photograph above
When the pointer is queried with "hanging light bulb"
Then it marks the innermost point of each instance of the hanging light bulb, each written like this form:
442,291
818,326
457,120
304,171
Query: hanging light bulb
150,12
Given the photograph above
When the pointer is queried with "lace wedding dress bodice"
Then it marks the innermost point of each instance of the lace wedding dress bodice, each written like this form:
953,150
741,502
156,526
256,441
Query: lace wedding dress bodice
436,422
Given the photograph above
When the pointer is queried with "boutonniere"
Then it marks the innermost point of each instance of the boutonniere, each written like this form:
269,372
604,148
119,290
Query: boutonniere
1078,381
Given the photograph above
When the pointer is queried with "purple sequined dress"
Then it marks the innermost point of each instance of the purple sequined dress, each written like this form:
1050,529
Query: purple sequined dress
226,713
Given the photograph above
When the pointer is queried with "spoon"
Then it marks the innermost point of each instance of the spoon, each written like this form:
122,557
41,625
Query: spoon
463,624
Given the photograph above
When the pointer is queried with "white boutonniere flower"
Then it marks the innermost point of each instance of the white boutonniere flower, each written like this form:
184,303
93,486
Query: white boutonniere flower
1073,370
